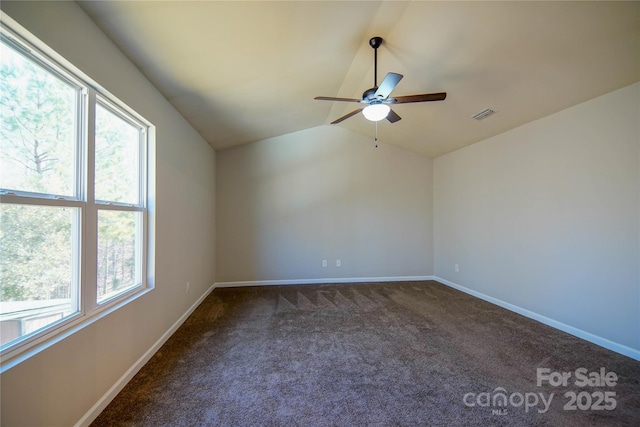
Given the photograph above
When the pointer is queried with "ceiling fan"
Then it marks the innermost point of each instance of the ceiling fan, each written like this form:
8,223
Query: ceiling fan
377,98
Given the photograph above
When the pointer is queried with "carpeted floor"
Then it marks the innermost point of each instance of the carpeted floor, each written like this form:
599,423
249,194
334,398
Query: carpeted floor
385,354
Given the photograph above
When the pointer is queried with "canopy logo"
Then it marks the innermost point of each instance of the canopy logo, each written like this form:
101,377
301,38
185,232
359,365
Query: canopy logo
499,399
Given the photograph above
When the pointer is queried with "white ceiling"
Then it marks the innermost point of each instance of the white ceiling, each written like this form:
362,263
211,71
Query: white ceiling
243,71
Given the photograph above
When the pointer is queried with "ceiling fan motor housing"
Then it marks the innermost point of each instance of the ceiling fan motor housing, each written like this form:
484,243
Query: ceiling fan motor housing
369,94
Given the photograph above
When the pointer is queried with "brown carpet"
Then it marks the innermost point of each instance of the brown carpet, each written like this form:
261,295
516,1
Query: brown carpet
382,354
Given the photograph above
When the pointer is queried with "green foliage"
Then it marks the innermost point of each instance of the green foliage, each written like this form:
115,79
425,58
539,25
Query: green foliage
37,135
116,251
35,252
117,164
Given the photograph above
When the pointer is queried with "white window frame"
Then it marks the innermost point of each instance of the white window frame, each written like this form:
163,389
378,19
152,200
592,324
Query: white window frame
85,226
140,206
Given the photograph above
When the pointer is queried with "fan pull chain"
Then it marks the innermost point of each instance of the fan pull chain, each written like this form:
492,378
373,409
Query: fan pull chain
375,139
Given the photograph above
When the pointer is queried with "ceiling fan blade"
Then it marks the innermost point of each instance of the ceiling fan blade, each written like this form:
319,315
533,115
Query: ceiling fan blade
393,117
330,98
390,81
425,97
346,116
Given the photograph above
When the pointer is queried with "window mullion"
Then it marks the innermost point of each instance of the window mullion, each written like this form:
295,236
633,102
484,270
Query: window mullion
90,213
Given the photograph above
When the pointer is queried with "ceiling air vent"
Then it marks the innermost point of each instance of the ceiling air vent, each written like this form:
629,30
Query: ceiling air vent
483,114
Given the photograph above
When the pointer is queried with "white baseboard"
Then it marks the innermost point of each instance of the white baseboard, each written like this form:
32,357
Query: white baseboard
323,281
99,406
587,336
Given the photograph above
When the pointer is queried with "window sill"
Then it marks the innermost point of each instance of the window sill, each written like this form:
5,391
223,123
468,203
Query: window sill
15,356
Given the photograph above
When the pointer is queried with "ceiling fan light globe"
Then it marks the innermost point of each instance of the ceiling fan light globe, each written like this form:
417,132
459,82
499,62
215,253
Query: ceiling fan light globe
376,112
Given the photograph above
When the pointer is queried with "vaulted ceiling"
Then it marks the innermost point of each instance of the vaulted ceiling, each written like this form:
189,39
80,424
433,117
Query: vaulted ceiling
242,71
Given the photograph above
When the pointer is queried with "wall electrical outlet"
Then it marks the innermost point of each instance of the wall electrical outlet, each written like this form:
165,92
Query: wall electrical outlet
188,288
324,262
457,268
338,263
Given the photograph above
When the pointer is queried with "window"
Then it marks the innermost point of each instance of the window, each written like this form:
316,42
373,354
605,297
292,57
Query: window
74,220
119,193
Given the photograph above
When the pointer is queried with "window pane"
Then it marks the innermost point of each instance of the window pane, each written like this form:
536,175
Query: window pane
38,268
117,158
38,114
119,252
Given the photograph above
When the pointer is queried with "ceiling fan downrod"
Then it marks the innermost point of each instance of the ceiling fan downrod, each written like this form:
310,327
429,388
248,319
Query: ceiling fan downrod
375,43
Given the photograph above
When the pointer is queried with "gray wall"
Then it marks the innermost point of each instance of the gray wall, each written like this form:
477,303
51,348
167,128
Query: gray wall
59,385
546,216
287,203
